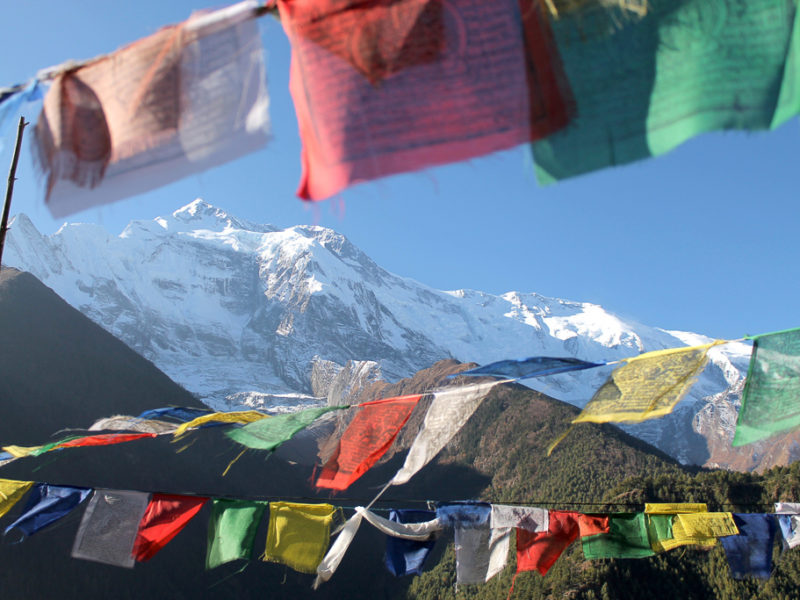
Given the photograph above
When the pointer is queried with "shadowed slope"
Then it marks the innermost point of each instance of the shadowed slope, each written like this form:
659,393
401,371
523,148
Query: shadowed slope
59,369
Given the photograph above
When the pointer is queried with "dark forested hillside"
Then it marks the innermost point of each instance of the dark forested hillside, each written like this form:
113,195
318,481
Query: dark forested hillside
600,469
59,369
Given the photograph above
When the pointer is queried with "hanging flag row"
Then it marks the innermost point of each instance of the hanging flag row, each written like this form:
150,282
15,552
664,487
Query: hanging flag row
649,385
298,534
348,444
349,440
388,87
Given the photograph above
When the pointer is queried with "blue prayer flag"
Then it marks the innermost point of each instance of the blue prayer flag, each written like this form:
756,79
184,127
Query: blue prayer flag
464,514
178,413
750,552
406,557
47,504
11,103
536,366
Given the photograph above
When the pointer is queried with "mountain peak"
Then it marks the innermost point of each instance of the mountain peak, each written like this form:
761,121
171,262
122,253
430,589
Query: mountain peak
200,215
198,210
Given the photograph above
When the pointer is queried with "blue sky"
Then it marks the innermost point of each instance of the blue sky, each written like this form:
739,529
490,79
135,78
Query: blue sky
703,239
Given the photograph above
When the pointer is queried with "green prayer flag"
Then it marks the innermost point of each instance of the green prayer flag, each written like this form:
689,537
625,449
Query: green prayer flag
627,538
232,530
659,528
47,447
268,434
646,85
771,396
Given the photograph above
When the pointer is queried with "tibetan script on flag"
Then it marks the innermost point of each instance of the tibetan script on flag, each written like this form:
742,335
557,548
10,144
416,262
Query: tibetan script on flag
389,87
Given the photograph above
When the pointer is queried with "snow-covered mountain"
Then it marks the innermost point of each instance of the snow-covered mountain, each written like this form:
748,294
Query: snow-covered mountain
251,315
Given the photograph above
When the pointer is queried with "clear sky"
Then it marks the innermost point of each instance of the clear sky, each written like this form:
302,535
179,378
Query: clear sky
704,239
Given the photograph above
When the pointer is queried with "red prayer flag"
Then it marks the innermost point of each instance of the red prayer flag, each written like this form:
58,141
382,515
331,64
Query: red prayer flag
389,36
369,435
105,439
539,551
390,86
163,519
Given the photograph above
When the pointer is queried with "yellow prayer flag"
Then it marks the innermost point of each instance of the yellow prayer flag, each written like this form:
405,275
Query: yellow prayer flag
708,524
646,386
673,508
10,493
21,451
700,529
663,530
299,534
243,417
681,538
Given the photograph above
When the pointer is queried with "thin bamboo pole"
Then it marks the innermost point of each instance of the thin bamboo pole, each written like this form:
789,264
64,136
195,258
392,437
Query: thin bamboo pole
10,187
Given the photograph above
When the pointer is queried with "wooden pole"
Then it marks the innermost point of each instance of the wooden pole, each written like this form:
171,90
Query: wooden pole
10,187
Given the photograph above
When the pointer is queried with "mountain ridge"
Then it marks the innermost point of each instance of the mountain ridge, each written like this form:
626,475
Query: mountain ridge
61,370
244,315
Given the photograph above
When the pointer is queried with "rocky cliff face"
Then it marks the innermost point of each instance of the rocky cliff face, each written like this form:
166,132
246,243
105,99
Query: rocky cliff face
250,315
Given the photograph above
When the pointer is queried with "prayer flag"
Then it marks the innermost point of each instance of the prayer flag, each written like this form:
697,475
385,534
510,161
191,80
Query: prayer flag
186,98
539,551
415,531
788,508
448,412
232,530
128,423
481,552
404,556
23,451
659,529
790,529
105,439
536,366
771,395
47,504
627,538
299,534
644,86
789,521
164,518
522,517
750,552
11,491
660,517
673,508
327,567
708,524
464,514
240,417
176,413
109,527
182,414
268,434
11,104
359,70
699,529
369,435
646,386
